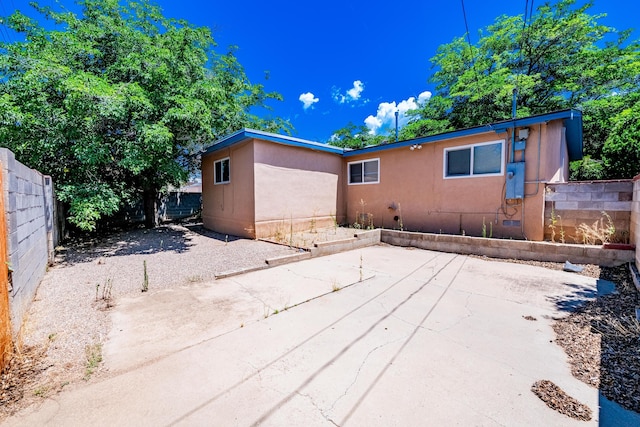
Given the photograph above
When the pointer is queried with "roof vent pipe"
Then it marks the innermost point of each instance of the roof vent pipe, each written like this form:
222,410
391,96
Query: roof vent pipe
396,125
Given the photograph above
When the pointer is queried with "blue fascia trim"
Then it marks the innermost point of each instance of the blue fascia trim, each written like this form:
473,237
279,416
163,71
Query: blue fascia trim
245,134
423,140
500,127
532,120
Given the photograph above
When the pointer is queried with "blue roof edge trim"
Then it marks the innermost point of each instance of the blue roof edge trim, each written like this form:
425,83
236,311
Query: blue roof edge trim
245,133
572,119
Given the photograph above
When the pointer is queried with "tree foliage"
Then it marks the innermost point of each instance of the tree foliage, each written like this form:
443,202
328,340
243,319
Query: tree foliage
118,102
354,137
562,58
621,150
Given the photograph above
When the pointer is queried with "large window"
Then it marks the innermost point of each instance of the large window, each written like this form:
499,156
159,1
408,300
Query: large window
364,172
221,171
484,159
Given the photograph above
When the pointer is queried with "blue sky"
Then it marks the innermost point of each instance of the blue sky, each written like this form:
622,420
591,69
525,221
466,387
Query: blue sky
340,61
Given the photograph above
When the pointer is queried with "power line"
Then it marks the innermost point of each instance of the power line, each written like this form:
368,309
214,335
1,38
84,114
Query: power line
4,32
528,15
466,26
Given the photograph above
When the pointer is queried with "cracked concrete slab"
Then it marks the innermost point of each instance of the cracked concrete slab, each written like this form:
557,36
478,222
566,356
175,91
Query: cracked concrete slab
425,338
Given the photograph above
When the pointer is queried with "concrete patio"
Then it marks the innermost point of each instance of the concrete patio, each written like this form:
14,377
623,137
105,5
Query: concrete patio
375,336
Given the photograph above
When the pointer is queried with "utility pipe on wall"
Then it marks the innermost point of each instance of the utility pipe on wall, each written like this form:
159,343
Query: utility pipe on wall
512,152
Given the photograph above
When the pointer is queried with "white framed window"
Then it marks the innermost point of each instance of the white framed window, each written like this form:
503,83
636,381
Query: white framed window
364,172
484,159
221,171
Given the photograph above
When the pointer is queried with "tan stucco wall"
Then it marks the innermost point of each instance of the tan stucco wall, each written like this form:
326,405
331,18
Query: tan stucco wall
229,208
413,183
296,187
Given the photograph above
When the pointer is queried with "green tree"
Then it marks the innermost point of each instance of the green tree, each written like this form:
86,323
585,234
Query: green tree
621,151
562,58
354,137
432,118
117,103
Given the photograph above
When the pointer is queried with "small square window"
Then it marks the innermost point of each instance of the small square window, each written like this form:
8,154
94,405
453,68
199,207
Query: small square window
459,162
222,171
364,172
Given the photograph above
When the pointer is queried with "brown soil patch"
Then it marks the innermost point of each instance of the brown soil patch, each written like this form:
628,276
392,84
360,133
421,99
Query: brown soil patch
558,400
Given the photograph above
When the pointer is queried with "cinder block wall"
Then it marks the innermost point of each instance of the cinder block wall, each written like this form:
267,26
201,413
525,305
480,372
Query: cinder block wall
635,218
27,214
574,203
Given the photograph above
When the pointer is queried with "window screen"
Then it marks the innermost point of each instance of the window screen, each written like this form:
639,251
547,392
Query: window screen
459,162
487,159
222,172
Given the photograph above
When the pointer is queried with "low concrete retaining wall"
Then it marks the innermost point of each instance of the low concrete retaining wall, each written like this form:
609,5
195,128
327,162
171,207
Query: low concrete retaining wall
575,203
507,249
360,240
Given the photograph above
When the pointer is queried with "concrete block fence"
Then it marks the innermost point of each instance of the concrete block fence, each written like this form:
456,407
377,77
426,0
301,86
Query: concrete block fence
575,203
635,218
31,239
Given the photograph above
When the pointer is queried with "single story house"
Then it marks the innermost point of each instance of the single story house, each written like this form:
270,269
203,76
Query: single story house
486,180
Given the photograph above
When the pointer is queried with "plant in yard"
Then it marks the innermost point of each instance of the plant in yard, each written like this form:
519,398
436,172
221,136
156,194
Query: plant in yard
145,278
598,232
291,231
484,228
334,219
400,223
335,287
361,274
370,225
106,295
94,357
553,221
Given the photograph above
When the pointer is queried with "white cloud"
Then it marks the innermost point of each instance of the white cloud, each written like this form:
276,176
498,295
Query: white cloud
424,97
308,99
351,95
385,118
356,90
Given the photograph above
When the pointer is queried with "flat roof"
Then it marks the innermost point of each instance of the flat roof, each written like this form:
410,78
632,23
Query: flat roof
572,121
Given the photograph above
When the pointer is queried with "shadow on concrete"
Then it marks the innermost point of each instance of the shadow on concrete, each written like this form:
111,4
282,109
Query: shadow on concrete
580,295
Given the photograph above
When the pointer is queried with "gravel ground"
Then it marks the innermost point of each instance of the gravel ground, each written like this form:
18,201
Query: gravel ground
68,320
